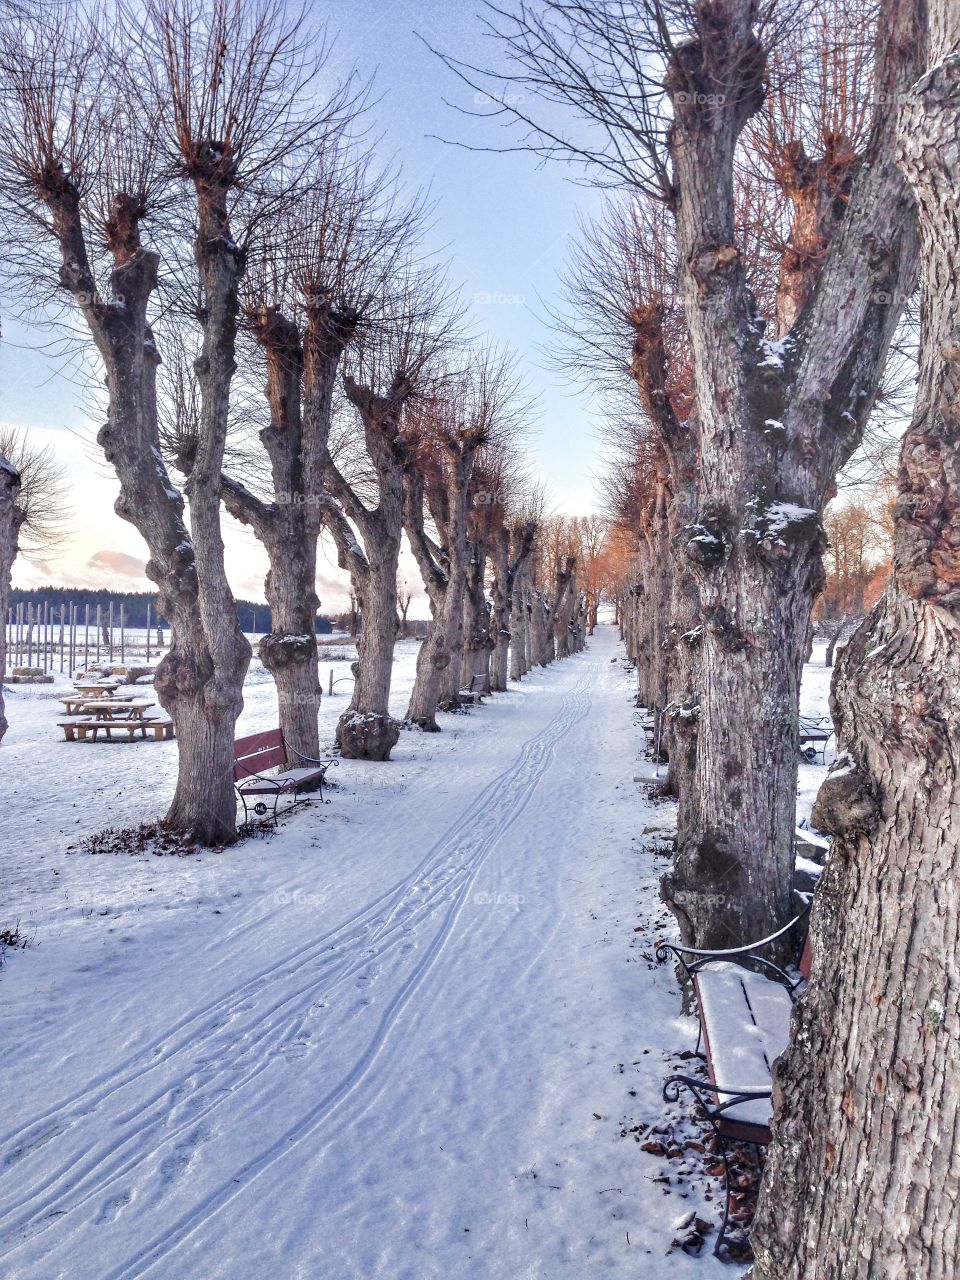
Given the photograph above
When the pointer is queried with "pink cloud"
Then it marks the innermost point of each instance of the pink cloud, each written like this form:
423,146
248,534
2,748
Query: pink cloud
109,565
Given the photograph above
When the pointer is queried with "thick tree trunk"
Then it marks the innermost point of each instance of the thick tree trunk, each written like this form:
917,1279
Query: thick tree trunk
366,730
540,633
863,1177
444,572
561,609
774,423
210,720
290,651
11,518
518,631
436,659
501,597
831,649
288,529
476,617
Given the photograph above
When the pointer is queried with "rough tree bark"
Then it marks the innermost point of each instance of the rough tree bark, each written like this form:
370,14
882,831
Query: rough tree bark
512,547
11,518
520,643
366,730
188,682
444,571
541,636
477,637
287,530
775,421
205,723
863,1178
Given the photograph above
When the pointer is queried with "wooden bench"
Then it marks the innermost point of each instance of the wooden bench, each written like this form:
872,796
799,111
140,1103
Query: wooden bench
260,751
814,730
476,690
744,1004
80,729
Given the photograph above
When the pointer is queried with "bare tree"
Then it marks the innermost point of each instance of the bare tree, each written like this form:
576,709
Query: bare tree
404,601
33,515
324,266
664,93
524,528
181,127
450,431
11,519
855,578
387,369
867,1097
44,491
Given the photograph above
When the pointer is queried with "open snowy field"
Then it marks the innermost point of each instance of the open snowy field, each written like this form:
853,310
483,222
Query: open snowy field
402,1037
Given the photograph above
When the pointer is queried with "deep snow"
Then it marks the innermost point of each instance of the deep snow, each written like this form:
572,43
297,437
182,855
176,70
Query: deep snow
399,1038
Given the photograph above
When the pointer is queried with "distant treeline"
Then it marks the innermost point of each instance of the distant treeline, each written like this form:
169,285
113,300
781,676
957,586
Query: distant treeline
253,617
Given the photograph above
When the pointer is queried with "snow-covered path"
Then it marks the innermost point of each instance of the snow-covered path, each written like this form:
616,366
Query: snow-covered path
399,1039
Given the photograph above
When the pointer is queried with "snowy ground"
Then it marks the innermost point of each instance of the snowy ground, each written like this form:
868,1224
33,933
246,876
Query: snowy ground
400,1038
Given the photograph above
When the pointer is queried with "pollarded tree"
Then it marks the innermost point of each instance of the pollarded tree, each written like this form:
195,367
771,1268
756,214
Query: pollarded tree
130,150
525,523
318,275
627,322
862,1177
388,368
449,430
511,537
669,87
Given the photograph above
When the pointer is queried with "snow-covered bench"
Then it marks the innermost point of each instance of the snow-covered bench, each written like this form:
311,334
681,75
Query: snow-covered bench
744,1015
261,751
478,688
815,733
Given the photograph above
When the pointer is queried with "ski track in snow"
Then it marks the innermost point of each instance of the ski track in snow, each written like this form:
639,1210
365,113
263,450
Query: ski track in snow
204,1061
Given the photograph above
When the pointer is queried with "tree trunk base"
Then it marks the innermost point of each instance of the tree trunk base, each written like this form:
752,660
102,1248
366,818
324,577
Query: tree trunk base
427,723
367,735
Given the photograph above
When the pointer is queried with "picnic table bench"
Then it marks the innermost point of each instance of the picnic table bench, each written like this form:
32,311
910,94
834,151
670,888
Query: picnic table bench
105,688
261,751
815,730
113,715
74,702
744,1025
476,690
80,729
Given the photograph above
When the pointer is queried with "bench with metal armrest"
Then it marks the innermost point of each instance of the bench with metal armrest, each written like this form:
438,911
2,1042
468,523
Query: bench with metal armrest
815,733
259,752
744,1025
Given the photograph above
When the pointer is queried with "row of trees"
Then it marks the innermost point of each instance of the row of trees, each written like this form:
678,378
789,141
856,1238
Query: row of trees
730,290
750,284
191,197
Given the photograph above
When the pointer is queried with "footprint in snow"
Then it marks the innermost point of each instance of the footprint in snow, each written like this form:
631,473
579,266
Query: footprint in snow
112,1207
175,1165
294,1052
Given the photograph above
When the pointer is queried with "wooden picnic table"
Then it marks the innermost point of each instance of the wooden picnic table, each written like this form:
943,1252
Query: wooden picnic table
106,687
112,709
106,715
75,702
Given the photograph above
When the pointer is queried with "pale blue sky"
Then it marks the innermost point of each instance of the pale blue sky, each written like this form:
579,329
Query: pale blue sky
501,221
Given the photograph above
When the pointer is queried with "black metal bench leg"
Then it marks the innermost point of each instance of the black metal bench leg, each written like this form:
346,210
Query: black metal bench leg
671,1093
721,1142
